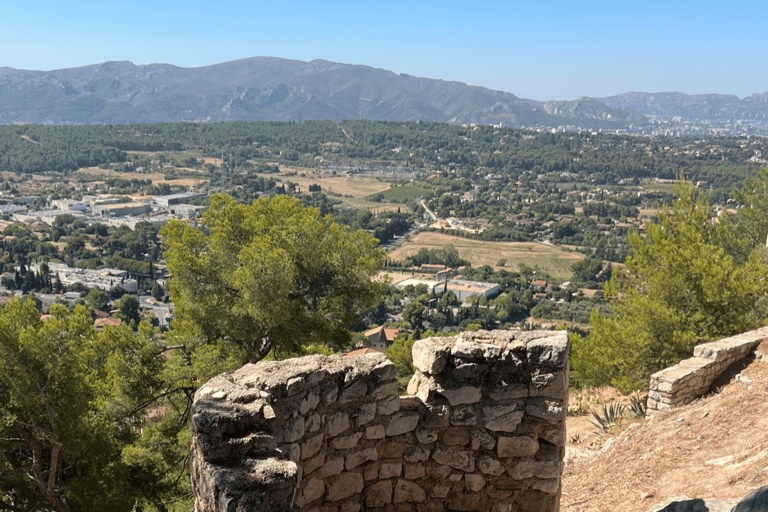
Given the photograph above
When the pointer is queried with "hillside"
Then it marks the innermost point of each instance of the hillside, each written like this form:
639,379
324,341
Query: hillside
713,449
266,88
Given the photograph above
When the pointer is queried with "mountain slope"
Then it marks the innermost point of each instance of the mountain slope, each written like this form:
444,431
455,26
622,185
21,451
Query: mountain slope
266,88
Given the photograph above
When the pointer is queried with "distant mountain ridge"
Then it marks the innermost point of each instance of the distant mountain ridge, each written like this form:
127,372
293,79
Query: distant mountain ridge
269,88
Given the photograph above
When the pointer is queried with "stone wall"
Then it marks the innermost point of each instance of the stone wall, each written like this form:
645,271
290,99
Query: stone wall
483,430
691,378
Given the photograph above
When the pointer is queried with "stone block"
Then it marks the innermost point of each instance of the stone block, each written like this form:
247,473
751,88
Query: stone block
293,430
333,467
379,494
406,491
375,432
391,450
309,403
504,393
365,414
389,406
415,454
402,422
353,392
547,486
489,466
426,436
312,490
552,351
357,458
346,442
311,446
546,409
314,463
439,491
545,469
414,471
502,418
437,416
386,390
344,486
336,422
465,415
438,472
475,483
371,471
312,423
461,502
481,438
518,446
329,391
454,437
430,355
390,470
385,370
552,385
351,506
294,386
456,459
462,395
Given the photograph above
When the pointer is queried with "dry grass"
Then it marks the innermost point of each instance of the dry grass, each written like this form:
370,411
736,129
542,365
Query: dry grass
549,258
352,187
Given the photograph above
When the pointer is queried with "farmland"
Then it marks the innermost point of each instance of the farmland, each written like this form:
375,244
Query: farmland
545,257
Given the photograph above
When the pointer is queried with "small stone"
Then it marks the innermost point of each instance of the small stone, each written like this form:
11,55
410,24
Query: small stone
357,458
336,423
425,436
375,432
294,386
329,391
462,395
333,467
406,491
379,494
489,466
353,392
344,486
456,459
292,431
502,418
518,446
439,491
475,482
467,350
466,415
313,490
416,454
313,423
390,470
402,422
365,413
454,437
389,406
312,446
481,438
309,403
414,471
346,442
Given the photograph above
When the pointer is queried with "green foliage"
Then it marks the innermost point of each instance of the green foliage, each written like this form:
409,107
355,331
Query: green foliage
678,289
400,354
611,415
270,275
67,410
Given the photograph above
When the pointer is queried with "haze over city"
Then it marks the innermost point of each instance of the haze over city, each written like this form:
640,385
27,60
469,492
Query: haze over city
556,50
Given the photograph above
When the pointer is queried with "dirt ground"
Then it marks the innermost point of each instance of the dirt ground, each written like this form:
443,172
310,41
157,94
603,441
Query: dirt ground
716,447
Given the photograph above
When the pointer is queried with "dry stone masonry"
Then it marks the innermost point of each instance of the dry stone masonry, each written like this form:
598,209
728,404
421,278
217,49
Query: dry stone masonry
483,429
691,378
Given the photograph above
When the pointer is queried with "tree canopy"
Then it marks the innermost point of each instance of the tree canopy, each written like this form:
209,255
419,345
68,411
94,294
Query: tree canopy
679,288
272,274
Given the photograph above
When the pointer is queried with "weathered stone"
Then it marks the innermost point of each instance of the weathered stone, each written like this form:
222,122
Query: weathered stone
336,423
456,477
436,417
388,389
756,501
465,502
466,415
491,352
535,468
385,370
506,392
439,491
312,424
475,483
344,486
414,471
365,413
502,418
467,350
346,442
439,472
548,486
489,466
294,386
456,459
389,406
552,351
406,491
375,432
454,437
416,454
413,384
292,431
426,436
430,355
333,467
469,372
462,395
481,438
353,392
518,446
390,470
552,385
402,422
329,391
313,490
357,458
314,463
379,494
392,450
290,451
351,507
550,410
311,446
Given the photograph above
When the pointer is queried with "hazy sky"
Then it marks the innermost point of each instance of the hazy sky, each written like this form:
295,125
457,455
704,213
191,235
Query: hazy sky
540,50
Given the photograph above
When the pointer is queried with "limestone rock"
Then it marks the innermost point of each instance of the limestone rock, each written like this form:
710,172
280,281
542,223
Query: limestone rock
379,494
406,491
344,486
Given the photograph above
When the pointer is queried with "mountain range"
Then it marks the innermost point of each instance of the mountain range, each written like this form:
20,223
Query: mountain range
269,88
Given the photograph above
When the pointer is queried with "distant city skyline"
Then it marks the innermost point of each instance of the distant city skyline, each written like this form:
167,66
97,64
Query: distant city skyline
558,50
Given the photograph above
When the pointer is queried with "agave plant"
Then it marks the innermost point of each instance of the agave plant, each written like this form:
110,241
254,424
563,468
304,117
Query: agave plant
637,406
610,416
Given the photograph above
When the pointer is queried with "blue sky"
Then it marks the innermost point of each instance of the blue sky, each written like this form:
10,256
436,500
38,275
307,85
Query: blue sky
555,50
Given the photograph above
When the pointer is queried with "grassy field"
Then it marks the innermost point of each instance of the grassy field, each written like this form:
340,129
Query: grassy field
554,260
342,185
405,193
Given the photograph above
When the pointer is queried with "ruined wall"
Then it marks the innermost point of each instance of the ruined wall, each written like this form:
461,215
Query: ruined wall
483,431
691,378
